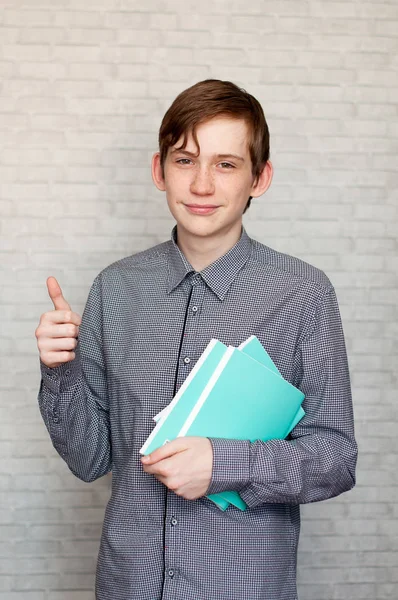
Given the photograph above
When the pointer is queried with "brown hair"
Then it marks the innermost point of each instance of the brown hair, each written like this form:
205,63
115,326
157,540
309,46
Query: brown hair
212,98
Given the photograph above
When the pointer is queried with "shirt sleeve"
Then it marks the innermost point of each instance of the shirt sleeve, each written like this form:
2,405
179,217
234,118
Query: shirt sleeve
318,459
73,398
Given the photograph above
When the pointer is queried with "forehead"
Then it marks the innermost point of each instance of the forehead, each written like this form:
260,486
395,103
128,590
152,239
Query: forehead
220,134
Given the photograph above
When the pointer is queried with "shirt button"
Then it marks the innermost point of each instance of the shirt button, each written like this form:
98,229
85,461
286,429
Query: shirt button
170,573
173,521
67,372
55,419
187,360
194,309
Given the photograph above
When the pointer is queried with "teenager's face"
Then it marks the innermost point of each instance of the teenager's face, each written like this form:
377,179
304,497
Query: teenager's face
207,194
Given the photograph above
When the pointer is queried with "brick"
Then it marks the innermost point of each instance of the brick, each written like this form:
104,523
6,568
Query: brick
288,7
71,581
367,59
30,18
36,139
89,37
220,55
140,37
377,77
202,22
78,18
341,10
127,19
379,10
76,53
43,35
13,122
41,70
77,89
9,35
33,52
125,54
174,56
35,581
161,21
126,89
84,71
7,70
386,26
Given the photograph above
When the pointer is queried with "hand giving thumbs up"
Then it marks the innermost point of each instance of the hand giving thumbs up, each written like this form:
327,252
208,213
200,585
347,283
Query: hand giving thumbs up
58,329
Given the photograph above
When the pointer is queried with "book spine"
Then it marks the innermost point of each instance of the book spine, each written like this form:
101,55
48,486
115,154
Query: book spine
209,386
161,417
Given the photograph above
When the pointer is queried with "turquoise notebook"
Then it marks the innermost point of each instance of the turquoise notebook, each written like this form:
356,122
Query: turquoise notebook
270,406
253,347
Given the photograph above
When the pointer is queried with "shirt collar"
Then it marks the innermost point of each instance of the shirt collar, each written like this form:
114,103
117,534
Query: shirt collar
219,275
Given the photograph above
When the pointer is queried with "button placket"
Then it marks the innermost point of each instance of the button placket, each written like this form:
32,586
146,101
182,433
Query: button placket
187,356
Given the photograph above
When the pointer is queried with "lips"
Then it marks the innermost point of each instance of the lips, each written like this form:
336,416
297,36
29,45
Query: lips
201,209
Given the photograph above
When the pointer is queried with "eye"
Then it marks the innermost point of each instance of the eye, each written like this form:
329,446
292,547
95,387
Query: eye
183,161
227,165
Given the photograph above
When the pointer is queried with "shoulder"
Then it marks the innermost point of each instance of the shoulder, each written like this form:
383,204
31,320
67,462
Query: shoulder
289,268
152,258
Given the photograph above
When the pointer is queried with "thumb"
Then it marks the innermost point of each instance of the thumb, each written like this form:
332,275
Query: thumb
168,449
56,296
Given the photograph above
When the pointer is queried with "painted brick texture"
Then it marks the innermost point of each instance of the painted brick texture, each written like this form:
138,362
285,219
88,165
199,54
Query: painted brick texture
83,87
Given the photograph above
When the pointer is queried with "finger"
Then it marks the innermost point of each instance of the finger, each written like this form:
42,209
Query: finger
165,451
55,293
57,344
68,330
53,358
62,316
163,468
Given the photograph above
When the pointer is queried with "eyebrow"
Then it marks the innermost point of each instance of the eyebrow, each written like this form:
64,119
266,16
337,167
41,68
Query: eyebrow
219,156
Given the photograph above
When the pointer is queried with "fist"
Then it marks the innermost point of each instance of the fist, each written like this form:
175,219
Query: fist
58,329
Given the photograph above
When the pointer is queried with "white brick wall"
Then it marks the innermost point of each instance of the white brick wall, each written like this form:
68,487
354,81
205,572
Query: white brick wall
83,86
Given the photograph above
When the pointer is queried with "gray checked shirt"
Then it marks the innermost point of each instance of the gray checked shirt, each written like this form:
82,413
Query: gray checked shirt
147,320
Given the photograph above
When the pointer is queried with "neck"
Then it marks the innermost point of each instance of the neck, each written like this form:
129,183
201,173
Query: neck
202,252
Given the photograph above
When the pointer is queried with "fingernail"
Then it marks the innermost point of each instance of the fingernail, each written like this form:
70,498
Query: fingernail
145,459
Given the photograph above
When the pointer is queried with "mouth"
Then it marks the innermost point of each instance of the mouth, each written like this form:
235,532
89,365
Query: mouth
201,209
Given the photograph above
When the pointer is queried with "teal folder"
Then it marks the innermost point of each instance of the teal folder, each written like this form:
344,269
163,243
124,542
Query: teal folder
253,347
270,402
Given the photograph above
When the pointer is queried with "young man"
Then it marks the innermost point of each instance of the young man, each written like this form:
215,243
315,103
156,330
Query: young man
147,320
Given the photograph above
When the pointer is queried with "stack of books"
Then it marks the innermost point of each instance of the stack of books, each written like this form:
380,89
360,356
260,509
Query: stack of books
234,393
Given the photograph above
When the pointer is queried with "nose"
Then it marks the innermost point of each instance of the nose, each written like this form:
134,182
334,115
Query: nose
202,183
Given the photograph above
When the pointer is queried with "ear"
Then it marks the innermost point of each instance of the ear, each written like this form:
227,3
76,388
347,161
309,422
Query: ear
262,183
157,172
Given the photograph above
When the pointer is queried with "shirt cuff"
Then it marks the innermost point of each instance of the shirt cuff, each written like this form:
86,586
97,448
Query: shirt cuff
58,379
231,465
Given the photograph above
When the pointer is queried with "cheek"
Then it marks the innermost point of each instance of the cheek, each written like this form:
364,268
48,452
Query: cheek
176,182
236,189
